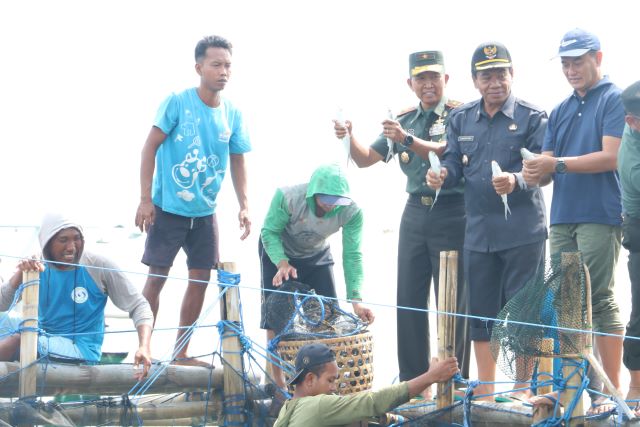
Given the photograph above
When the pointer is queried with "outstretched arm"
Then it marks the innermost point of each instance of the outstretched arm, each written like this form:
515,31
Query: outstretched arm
439,371
362,155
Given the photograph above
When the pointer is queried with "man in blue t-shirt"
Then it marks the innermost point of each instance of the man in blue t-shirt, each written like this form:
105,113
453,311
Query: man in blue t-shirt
195,135
580,153
74,286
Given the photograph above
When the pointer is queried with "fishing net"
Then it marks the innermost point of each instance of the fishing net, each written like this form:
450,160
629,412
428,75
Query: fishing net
298,313
555,298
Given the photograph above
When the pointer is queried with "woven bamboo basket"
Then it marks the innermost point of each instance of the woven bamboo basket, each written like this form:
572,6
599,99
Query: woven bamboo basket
354,356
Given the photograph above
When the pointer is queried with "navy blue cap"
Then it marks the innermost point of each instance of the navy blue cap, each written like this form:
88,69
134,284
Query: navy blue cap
490,55
577,42
311,355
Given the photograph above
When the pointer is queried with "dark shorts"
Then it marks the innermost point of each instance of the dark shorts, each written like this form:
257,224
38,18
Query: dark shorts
496,277
315,271
169,232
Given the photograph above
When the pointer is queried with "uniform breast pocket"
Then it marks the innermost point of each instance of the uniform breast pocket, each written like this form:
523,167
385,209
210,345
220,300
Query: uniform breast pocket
510,153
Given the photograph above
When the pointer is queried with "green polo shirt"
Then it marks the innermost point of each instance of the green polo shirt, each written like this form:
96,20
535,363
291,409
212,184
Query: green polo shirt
331,410
428,125
629,171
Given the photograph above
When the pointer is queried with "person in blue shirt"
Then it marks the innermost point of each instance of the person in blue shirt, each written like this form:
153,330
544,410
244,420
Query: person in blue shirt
74,286
503,251
580,153
196,135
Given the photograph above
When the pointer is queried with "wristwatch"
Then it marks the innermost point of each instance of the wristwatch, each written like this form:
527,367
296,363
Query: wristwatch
561,166
408,140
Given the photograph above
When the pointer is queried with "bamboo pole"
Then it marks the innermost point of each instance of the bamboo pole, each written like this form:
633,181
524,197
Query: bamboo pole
447,291
115,414
232,353
116,379
593,362
545,365
29,338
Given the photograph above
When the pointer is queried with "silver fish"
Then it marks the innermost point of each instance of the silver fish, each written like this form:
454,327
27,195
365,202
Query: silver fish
435,167
495,168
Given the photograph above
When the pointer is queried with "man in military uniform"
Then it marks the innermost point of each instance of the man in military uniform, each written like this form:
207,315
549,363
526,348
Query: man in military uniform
426,228
502,253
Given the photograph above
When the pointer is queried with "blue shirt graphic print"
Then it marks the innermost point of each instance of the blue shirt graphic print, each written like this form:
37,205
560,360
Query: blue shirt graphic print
192,161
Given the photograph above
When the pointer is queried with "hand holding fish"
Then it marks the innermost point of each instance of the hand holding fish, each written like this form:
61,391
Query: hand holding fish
503,183
342,128
435,167
434,180
535,169
393,131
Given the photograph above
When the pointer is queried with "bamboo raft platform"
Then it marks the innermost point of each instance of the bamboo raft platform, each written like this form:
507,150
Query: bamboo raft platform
189,395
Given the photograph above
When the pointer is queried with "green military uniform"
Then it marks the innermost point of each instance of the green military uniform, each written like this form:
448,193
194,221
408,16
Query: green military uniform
428,125
426,229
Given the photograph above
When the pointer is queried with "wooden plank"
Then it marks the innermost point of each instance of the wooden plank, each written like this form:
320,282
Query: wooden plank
447,291
29,339
232,354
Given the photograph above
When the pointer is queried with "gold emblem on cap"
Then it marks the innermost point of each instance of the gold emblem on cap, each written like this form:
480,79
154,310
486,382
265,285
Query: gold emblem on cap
490,51
513,127
404,157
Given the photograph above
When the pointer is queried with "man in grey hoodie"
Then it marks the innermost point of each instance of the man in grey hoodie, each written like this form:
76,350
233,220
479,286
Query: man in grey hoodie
74,286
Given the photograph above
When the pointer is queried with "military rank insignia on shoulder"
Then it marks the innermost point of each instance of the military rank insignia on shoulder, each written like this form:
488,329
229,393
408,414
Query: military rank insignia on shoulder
452,103
407,111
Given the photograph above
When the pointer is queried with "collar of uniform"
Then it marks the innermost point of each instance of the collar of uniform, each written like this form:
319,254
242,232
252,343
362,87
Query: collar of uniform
604,81
508,108
438,110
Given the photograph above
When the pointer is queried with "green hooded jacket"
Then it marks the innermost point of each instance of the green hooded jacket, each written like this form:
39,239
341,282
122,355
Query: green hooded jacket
293,230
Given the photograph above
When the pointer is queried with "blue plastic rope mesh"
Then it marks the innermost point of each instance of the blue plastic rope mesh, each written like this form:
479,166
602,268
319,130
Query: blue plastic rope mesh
298,313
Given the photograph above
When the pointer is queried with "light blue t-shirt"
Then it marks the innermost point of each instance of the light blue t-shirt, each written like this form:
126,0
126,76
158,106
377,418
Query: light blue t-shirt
72,306
192,161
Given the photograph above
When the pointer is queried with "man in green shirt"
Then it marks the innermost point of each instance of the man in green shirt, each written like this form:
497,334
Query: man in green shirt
315,404
293,242
629,172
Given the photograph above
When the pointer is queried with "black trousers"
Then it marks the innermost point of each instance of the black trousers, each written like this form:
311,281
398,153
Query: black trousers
424,233
631,241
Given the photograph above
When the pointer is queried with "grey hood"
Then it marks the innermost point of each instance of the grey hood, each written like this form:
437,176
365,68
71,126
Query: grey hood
52,223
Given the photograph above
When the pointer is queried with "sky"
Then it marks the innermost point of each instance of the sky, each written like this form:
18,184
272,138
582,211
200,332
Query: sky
81,82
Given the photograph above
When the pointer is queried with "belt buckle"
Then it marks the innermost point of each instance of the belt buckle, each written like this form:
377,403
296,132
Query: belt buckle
426,200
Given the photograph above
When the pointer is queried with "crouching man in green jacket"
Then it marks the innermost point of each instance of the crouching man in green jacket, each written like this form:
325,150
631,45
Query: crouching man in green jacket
293,242
315,404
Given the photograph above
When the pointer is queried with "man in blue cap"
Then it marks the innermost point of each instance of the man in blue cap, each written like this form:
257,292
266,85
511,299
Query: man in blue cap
580,153
315,403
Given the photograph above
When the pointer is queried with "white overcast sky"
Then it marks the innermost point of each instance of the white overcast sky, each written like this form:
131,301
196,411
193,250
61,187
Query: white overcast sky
81,82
